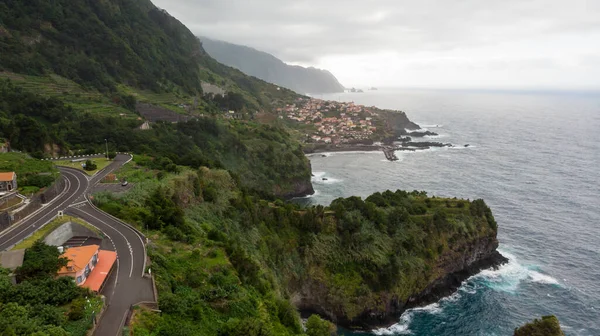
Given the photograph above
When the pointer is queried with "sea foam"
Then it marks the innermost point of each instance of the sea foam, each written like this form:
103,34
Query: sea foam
509,276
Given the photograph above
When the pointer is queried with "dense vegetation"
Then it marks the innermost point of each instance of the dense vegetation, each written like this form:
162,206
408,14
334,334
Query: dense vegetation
547,326
101,44
226,260
40,304
31,173
264,157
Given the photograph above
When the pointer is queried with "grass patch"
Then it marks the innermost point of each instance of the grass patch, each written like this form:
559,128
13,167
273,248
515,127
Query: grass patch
28,190
48,228
101,163
142,321
81,326
133,172
82,99
30,172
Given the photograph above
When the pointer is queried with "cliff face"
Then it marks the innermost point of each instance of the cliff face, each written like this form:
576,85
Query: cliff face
271,69
398,122
385,308
300,188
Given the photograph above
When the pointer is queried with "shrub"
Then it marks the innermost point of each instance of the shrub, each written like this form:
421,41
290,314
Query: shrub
90,165
316,326
77,309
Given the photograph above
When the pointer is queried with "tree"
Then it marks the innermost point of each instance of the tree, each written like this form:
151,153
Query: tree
547,326
112,155
40,261
163,211
316,326
90,165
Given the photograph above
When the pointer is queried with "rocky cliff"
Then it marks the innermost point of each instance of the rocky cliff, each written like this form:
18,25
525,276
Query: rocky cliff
452,267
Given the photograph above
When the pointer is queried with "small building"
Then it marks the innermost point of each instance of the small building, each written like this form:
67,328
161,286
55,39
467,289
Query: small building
89,266
82,261
8,181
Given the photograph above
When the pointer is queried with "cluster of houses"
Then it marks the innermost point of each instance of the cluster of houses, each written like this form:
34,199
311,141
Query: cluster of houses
334,122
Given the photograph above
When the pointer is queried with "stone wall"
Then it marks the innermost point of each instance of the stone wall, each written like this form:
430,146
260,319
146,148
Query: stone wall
67,231
9,218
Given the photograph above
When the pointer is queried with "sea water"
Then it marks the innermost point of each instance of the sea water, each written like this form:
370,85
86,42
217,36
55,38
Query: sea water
535,159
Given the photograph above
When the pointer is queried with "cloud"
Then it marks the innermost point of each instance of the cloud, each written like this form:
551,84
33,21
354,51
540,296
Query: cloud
476,32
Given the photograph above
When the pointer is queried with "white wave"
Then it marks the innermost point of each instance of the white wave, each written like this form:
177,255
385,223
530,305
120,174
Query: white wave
400,328
431,126
542,278
323,178
317,193
509,276
433,308
462,147
352,152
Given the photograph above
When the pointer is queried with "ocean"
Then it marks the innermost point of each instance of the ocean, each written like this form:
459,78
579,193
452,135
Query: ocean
535,159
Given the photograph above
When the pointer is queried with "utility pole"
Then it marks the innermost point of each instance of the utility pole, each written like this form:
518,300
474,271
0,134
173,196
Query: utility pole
106,141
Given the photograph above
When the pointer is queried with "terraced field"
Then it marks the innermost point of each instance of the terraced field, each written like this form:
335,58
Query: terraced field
72,93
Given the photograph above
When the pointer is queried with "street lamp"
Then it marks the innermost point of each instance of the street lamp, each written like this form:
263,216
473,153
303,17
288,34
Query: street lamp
106,141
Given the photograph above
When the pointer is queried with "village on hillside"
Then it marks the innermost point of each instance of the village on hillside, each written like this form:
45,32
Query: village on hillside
334,122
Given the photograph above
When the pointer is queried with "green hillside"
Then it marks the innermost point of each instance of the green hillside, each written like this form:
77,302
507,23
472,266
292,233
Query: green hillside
272,69
101,44
227,261
71,73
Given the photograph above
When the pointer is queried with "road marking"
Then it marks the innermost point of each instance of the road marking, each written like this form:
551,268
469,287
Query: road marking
16,226
119,232
48,214
127,226
114,247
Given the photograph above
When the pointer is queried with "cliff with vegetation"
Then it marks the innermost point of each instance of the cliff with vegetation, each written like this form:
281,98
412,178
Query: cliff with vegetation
223,256
271,69
229,257
547,326
75,70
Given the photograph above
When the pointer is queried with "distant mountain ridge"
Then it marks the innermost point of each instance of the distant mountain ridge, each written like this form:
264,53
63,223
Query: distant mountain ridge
271,69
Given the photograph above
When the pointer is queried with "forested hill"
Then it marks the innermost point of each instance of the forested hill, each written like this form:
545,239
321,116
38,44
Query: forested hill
101,44
271,69
72,71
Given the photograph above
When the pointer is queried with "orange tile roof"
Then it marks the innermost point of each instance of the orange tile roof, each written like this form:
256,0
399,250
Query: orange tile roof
7,176
106,260
78,257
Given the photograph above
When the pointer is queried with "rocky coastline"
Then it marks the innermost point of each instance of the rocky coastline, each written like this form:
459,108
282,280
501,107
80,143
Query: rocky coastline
454,267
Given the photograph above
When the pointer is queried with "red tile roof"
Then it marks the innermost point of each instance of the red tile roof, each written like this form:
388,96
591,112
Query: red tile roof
7,176
106,260
78,257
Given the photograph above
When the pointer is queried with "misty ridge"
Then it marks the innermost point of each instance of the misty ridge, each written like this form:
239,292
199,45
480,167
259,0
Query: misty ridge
271,69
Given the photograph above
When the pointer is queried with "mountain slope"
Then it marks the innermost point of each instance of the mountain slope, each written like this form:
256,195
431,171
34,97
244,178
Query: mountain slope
271,69
114,53
101,44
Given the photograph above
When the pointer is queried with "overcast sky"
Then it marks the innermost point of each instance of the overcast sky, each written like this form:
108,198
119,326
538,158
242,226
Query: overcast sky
420,43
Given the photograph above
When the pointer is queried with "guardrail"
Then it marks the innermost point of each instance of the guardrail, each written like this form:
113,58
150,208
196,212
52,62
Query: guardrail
82,156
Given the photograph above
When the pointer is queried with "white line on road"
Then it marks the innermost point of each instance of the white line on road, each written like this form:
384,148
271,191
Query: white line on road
57,208
18,224
119,232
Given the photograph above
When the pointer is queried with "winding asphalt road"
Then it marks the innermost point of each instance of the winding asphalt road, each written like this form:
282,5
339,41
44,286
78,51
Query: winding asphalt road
127,284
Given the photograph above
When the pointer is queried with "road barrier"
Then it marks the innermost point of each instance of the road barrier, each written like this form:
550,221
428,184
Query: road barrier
8,219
